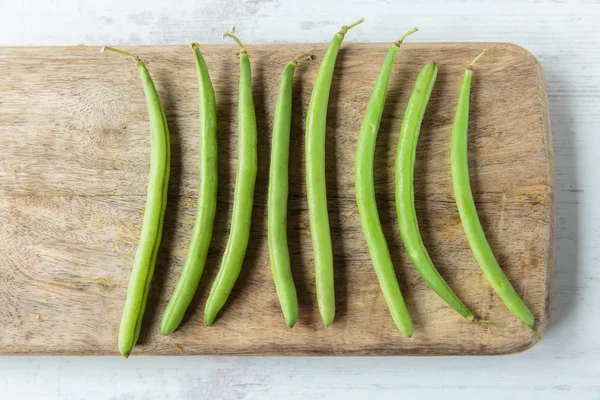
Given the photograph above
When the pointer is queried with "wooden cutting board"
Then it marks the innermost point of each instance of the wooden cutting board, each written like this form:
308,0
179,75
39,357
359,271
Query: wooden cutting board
74,158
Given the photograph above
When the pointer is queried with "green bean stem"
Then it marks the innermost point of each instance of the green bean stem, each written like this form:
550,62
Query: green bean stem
207,201
365,195
278,197
243,199
468,212
316,124
405,198
152,224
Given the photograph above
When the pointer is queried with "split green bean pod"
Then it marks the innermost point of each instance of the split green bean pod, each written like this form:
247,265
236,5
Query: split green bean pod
405,198
243,199
278,197
316,124
468,212
152,224
365,195
207,201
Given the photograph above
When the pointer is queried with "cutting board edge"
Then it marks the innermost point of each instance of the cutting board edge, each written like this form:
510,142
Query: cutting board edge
549,152
516,348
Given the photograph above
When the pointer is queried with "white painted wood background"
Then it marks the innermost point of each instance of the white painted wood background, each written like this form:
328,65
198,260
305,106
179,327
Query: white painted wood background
565,36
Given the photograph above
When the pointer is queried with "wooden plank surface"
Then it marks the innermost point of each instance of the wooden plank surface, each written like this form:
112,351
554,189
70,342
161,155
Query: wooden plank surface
74,154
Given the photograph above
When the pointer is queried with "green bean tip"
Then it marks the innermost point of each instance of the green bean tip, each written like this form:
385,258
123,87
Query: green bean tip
537,334
164,330
407,334
360,21
195,45
123,52
305,56
230,34
346,28
470,66
225,34
235,38
410,32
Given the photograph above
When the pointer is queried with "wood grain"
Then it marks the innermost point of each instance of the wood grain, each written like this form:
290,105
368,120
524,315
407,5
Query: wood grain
74,156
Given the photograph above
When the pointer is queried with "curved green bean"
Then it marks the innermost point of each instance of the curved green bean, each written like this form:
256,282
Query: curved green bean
278,197
243,199
316,124
405,198
468,212
207,202
365,195
152,224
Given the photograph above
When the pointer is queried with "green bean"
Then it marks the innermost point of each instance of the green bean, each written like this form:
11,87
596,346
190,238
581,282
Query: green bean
468,212
152,225
278,197
405,198
243,199
365,195
316,124
207,202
